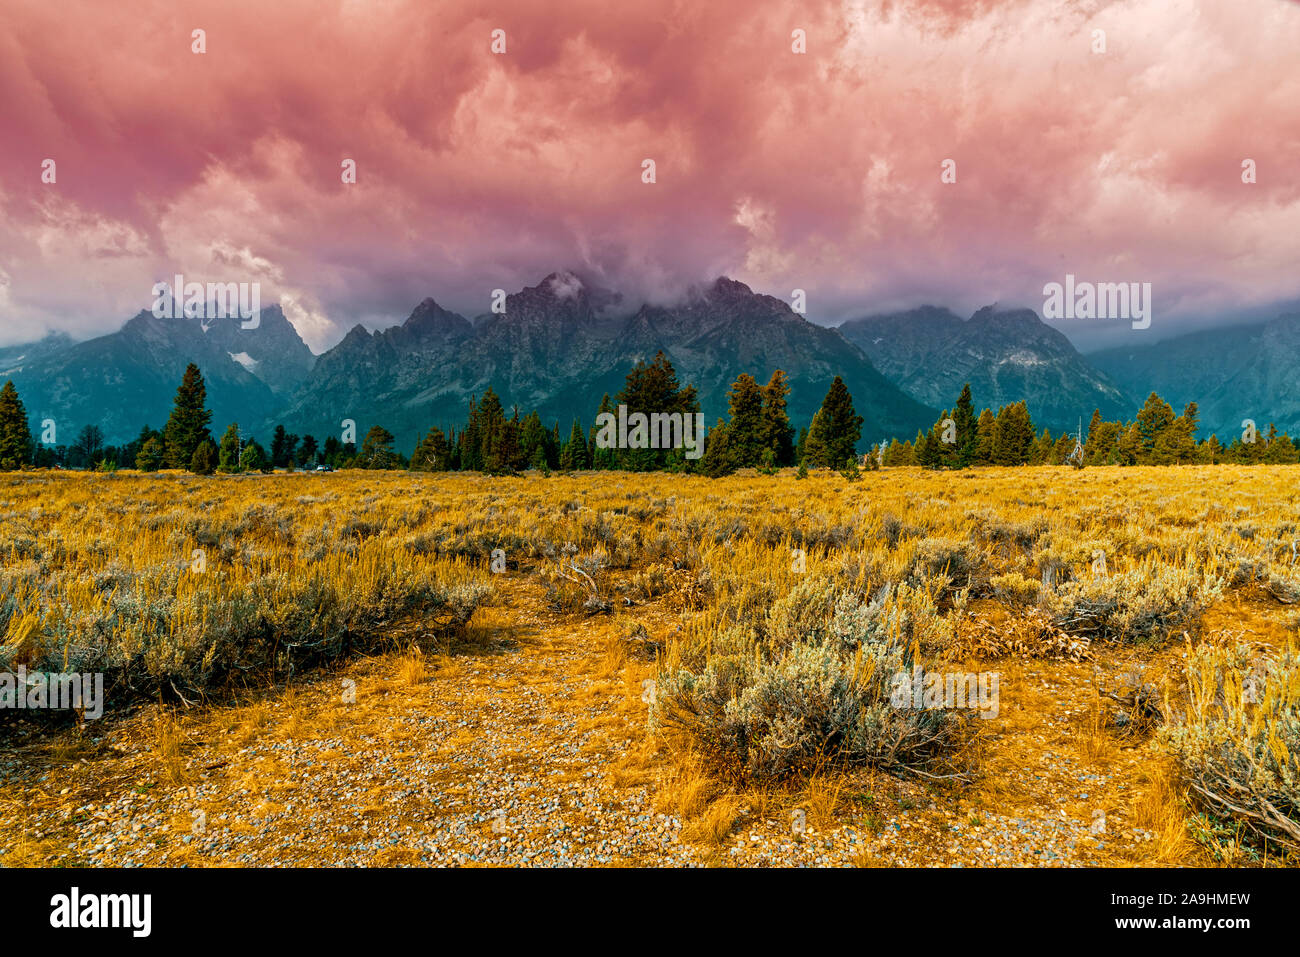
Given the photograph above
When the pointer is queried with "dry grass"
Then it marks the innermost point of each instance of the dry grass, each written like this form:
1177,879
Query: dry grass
988,570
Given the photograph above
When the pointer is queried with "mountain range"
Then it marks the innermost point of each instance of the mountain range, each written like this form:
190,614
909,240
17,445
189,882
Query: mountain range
1006,356
559,346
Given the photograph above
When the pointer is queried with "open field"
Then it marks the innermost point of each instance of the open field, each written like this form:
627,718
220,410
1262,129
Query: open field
608,668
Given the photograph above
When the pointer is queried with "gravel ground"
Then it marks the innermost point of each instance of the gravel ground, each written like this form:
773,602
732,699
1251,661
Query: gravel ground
499,756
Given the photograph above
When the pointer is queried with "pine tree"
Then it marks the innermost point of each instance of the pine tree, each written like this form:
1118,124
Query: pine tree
1094,424
16,444
985,433
573,457
533,438
377,449
255,459
1013,435
188,424
835,428
1128,447
746,431
471,441
1041,449
1155,416
1281,450
307,453
433,454
650,389
602,458
1177,443
204,461
928,454
718,459
967,430
152,455
815,452
779,433
228,453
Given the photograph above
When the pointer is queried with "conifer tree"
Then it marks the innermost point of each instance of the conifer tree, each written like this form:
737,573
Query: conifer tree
1013,435
985,433
967,431
16,444
188,424
433,453
228,453
152,455
779,433
747,435
835,429
573,456
377,450
204,461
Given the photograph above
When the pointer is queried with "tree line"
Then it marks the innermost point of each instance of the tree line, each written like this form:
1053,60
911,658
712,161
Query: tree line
756,433
1156,436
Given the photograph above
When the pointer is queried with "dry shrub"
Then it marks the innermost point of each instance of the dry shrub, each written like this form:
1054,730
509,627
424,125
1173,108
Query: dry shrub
1238,744
1033,636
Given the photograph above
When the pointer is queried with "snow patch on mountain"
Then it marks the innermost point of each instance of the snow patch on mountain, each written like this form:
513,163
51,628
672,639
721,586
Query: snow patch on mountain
245,360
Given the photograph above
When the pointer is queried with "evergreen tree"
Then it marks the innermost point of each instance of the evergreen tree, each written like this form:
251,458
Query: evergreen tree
307,452
132,449
1177,443
204,461
1128,447
377,450
471,440
985,433
1155,416
1040,452
573,457
152,455
718,459
331,452
254,458
650,389
533,438
746,436
967,429
778,432
1061,451
433,454
835,429
228,453
1101,447
928,454
188,424
1280,450
602,458
1013,435
16,446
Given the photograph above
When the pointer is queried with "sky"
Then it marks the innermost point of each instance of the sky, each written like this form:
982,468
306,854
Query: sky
478,170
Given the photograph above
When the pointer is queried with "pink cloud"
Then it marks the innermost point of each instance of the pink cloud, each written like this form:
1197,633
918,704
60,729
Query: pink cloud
818,171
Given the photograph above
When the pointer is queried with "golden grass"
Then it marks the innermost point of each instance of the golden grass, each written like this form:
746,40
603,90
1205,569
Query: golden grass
684,557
